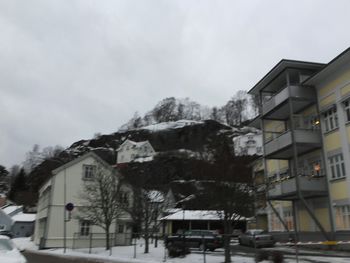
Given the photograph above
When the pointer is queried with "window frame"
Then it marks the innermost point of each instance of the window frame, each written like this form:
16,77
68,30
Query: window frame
84,228
346,106
342,214
330,119
92,172
337,166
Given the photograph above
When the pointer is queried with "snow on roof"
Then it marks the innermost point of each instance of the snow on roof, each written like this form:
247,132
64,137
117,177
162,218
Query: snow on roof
195,215
10,209
143,159
136,144
170,125
22,217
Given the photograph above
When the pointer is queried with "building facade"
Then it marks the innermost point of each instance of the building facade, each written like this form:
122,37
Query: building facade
56,227
248,144
304,117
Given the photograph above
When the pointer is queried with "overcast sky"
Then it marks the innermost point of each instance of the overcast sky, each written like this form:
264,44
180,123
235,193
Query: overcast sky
69,69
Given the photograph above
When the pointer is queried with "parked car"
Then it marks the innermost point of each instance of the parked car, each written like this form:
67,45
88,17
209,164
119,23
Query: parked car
8,252
256,238
6,233
202,239
236,233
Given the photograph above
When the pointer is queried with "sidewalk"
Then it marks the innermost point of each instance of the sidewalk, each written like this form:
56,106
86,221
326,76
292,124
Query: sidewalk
309,251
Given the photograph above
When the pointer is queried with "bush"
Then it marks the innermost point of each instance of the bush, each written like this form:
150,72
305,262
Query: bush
277,257
178,251
261,256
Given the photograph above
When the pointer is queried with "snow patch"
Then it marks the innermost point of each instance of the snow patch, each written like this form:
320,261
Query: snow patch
170,125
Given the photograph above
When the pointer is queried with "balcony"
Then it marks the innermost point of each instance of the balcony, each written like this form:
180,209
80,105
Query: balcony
276,107
280,145
286,188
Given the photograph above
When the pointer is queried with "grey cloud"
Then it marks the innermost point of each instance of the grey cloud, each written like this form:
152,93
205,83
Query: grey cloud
69,68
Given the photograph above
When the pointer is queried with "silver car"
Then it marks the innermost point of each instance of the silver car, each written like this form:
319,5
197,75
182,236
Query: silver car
256,238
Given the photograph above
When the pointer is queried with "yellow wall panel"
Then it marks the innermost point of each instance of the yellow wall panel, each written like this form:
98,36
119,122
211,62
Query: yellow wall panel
323,216
273,166
327,100
339,189
345,90
332,141
343,78
304,220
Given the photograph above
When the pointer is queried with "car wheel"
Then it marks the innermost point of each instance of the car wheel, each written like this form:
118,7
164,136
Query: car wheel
169,244
201,247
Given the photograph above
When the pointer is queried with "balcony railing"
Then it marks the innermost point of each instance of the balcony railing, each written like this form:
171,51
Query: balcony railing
281,145
272,102
287,187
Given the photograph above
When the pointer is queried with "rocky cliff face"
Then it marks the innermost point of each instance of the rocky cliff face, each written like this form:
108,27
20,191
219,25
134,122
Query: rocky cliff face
184,150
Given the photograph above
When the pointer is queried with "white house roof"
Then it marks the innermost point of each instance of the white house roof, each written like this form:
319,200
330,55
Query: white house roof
136,144
22,217
194,215
10,209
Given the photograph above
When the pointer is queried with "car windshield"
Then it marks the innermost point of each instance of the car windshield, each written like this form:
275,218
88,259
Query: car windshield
5,245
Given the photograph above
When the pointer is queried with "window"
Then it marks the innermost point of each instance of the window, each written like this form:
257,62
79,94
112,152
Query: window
330,118
88,171
288,218
120,229
342,217
84,227
347,109
124,199
337,166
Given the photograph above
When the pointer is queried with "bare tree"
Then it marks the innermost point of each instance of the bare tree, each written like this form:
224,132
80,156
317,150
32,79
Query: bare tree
148,207
100,199
232,201
231,193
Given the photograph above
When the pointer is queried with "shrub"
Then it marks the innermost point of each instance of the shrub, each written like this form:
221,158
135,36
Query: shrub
277,257
261,256
178,251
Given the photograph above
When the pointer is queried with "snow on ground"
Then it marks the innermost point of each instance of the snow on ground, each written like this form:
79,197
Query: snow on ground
124,254
170,125
23,243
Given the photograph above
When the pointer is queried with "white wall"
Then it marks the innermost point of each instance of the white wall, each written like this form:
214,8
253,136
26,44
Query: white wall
56,212
248,144
130,151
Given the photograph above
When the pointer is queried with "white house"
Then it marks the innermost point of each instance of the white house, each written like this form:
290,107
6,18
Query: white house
65,186
248,144
130,151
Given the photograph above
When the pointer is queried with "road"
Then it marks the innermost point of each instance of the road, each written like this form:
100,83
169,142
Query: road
34,257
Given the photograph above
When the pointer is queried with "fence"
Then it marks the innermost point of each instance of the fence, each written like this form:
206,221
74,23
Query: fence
99,240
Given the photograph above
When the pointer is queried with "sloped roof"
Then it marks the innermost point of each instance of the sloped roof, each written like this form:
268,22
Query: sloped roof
194,215
10,209
22,217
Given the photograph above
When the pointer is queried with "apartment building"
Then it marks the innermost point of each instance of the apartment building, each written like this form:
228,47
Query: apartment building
305,116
